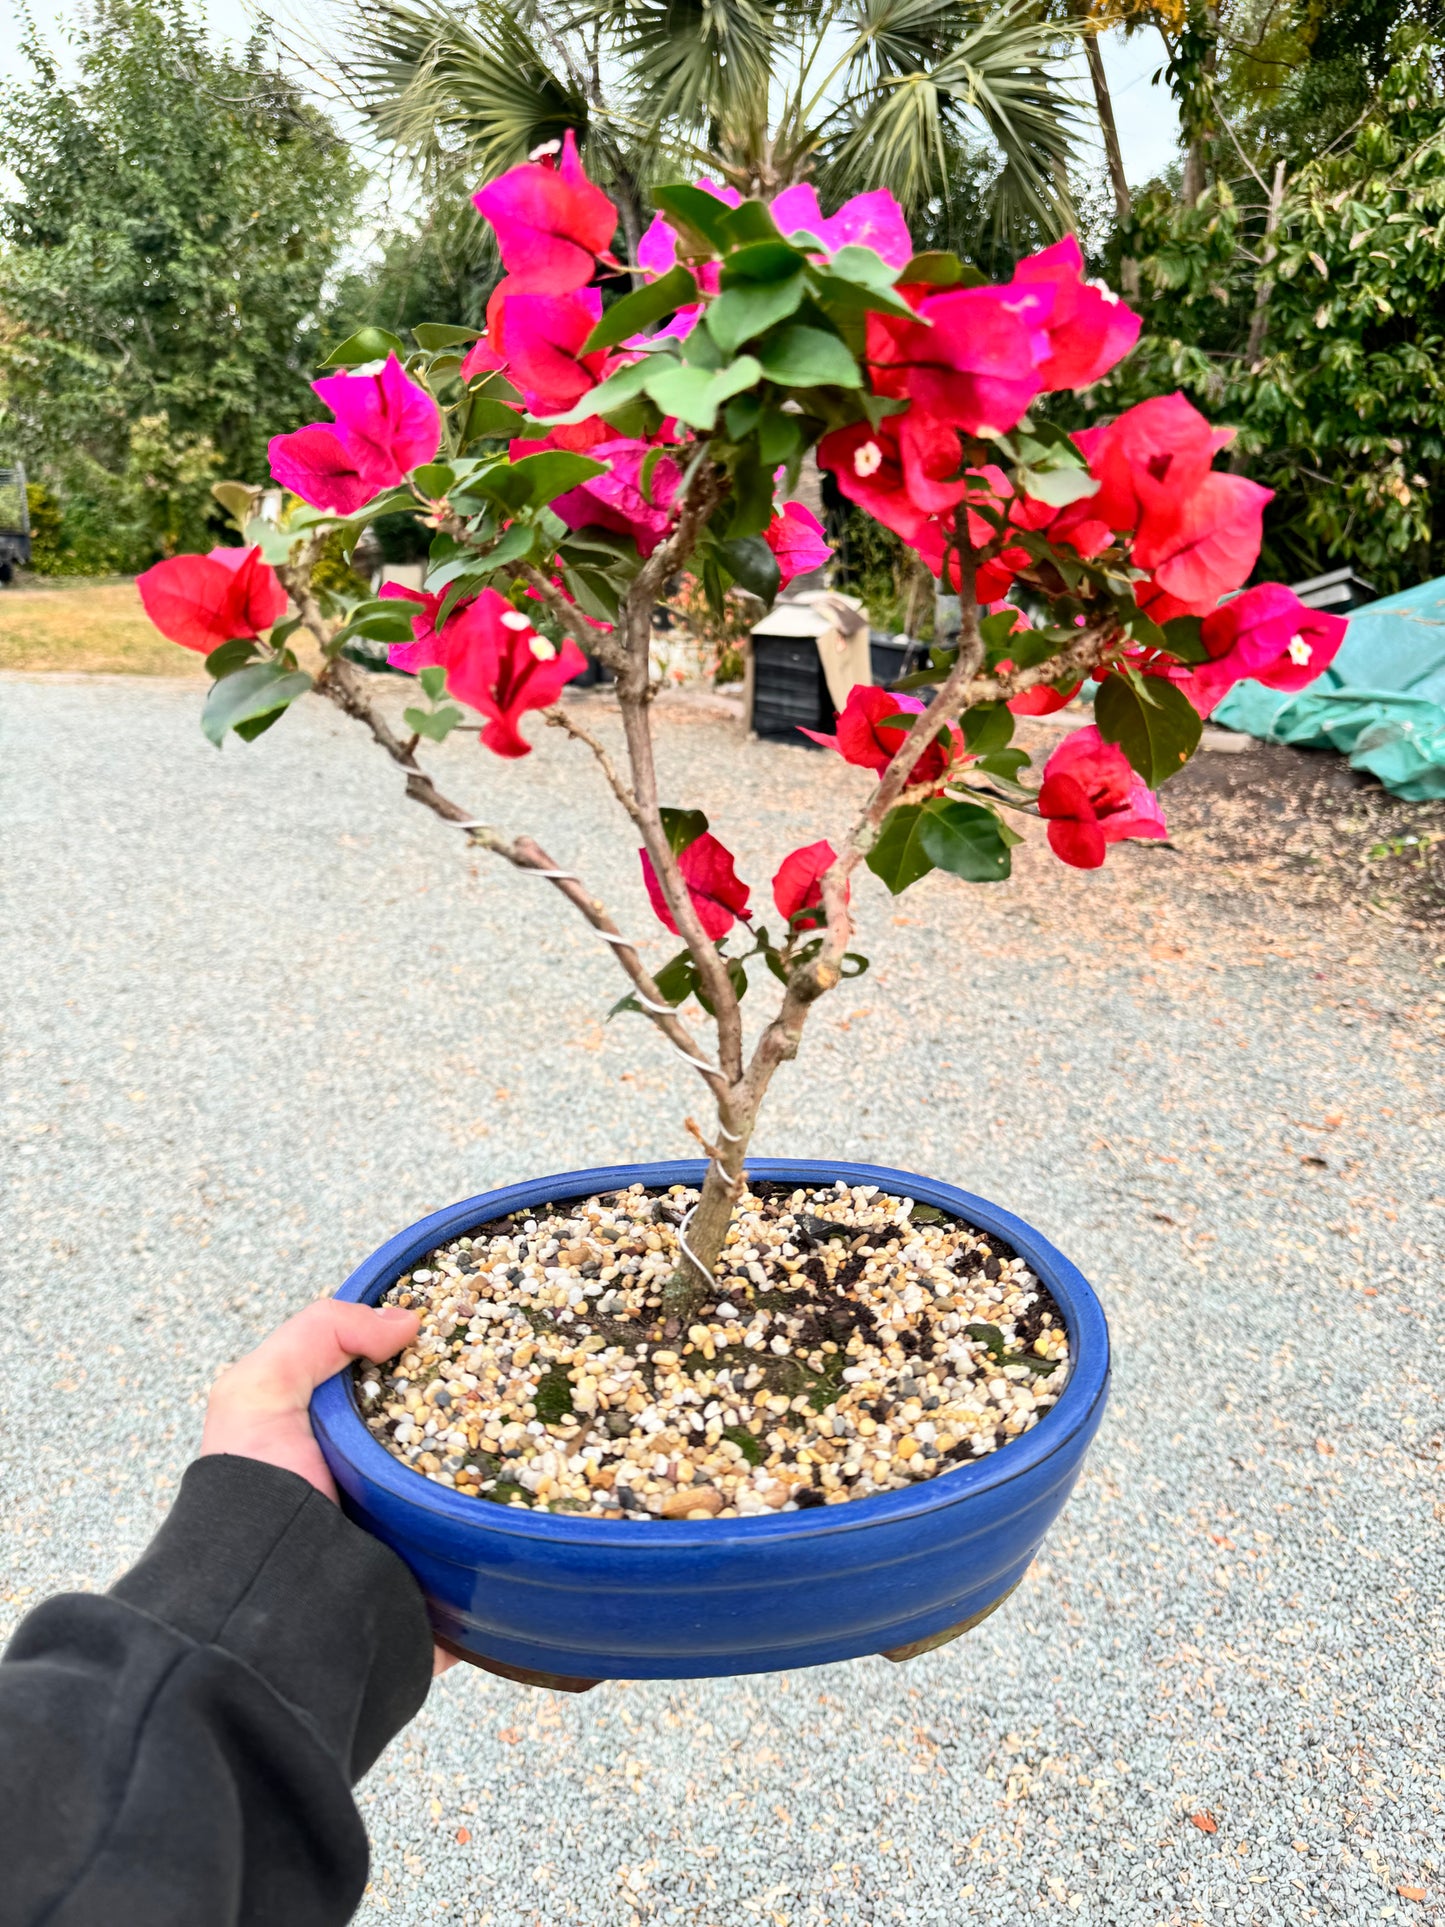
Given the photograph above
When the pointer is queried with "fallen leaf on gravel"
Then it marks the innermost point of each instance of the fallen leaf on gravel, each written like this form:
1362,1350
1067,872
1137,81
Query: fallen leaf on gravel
1324,1448
1411,1893
509,1736
1333,1120
1205,1822
464,1834
1310,1158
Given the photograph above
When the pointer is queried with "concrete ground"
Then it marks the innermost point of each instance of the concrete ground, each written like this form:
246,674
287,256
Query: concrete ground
259,1012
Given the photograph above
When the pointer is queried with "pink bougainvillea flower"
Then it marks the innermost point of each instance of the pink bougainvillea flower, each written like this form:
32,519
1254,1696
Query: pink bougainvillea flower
551,222
315,464
498,664
427,647
798,886
541,336
1266,635
873,220
865,739
932,455
796,538
486,355
972,357
718,894
1149,460
1089,329
385,426
868,465
1092,798
616,500
1210,545
201,601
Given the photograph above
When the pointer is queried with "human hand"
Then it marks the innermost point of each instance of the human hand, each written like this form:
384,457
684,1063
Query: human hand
260,1407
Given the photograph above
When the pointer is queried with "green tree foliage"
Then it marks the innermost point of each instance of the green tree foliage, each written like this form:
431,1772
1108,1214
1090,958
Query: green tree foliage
162,260
1324,342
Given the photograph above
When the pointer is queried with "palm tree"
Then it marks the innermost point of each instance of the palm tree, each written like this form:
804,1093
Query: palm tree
852,94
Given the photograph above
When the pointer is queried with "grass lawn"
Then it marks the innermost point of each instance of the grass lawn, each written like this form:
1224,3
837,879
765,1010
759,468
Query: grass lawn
90,627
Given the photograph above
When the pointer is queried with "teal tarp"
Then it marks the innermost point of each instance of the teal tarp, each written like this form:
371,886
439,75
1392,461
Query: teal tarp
1381,702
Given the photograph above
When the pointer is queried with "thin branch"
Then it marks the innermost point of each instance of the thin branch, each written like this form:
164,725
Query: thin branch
559,719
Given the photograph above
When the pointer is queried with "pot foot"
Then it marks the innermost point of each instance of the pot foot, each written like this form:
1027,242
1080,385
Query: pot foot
918,1646
523,1675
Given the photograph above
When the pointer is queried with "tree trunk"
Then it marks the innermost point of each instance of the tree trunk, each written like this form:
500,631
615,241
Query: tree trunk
1259,319
1113,154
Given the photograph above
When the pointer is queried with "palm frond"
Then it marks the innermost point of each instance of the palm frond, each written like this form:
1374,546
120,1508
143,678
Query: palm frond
703,65
927,72
437,85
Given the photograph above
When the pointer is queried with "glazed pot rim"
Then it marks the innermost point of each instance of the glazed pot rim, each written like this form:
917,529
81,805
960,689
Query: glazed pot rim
340,1427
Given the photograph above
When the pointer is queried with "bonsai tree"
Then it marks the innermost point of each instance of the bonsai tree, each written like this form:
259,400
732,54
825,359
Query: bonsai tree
581,452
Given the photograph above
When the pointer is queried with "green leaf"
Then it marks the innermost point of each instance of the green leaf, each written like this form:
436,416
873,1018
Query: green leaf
1183,639
262,689
435,724
753,566
695,395
434,335
682,827
762,262
940,269
434,479
274,543
965,839
538,479
1005,763
487,418
898,857
231,656
987,727
1057,486
433,680
693,211
636,312
803,357
987,1335
863,265
367,344
748,309
1155,724
749,221
624,386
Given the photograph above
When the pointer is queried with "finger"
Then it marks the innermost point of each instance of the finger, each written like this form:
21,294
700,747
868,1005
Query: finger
315,1344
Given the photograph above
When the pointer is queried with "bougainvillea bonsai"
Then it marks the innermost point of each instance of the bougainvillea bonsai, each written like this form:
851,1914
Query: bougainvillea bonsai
617,424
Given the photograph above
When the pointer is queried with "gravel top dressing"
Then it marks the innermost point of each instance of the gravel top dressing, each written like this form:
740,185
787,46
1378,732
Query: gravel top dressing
856,1342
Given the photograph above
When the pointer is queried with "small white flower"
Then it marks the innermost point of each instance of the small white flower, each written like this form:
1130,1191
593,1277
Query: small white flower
1299,650
1104,289
541,648
514,619
867,460
989,434
547,147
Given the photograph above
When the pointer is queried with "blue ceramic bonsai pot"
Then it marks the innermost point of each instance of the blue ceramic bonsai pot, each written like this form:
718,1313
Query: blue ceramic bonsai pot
570,1600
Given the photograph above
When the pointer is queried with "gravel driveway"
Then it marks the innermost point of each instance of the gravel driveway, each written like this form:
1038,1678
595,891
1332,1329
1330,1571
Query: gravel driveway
260,1012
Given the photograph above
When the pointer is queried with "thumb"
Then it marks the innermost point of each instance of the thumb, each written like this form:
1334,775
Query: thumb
319,1341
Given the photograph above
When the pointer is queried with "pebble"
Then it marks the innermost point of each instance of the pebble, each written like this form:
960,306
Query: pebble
822,1337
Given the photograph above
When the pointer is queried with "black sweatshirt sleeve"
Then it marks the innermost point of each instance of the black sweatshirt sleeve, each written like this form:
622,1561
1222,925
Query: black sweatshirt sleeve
180,1751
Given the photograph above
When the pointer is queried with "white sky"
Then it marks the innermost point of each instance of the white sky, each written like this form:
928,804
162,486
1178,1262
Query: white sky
1148,126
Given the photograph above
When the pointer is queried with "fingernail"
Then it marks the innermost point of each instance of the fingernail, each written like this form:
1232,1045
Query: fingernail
395,1311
